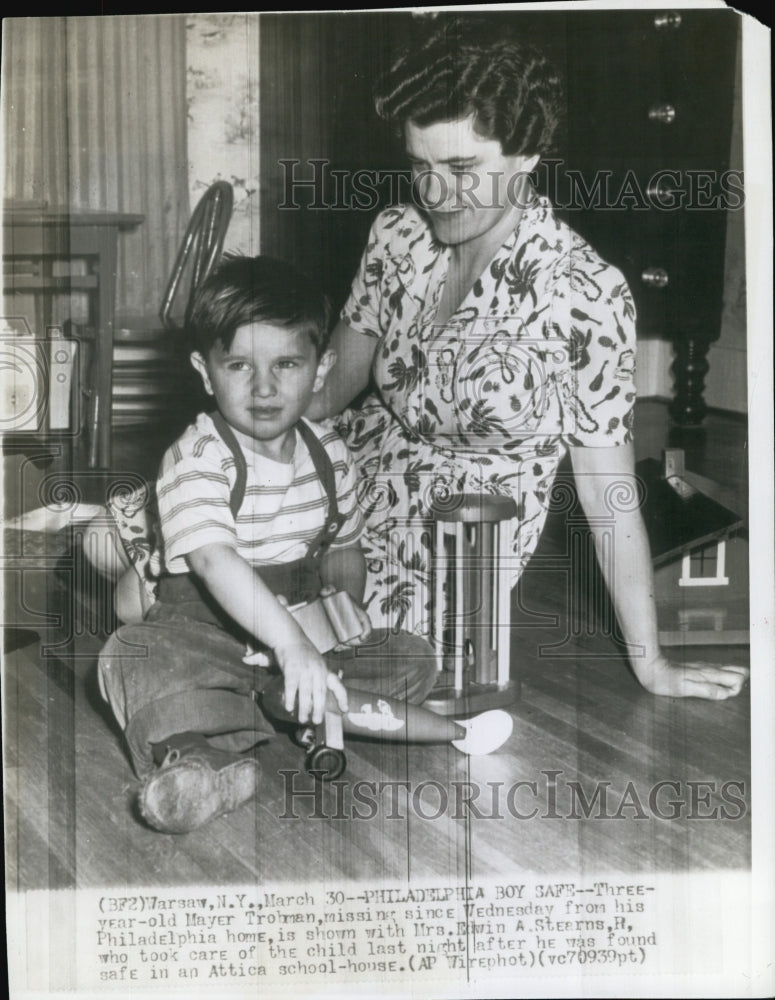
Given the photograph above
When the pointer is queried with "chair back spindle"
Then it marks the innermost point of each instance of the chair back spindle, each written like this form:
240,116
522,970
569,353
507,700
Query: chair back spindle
199,251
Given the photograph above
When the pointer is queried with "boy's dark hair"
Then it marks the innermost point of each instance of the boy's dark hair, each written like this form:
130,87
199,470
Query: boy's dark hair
244,290
472,65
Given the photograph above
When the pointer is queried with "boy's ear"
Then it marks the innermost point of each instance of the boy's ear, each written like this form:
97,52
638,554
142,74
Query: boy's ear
326,363
201,366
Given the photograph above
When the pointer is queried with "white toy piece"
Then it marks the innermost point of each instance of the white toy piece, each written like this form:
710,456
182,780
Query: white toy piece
485,733
327,622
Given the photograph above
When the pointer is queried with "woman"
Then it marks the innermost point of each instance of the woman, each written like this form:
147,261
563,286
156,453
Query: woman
497,339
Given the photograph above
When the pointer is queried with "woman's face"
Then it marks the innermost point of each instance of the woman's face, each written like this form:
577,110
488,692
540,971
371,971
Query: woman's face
464,182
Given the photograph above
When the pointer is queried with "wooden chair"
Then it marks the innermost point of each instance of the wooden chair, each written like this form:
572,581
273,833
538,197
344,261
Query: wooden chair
150,368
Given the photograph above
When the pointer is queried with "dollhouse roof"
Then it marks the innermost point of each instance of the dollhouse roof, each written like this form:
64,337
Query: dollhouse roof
677,523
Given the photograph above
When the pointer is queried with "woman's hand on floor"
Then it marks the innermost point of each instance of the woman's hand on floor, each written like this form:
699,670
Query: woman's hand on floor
692,680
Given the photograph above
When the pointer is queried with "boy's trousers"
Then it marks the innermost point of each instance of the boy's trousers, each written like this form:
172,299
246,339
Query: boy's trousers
172,674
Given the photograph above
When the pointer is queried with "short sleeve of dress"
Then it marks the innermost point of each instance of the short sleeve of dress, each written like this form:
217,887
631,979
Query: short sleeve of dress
594,316
361,311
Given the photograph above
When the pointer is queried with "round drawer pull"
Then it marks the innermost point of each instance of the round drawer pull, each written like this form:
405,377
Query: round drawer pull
655,277
664,113
663,190
668,20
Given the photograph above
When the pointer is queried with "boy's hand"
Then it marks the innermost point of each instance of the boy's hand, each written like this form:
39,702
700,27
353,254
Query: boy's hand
308,677
239,590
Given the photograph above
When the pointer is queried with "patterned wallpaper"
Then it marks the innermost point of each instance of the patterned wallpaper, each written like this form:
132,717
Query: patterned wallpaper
223,105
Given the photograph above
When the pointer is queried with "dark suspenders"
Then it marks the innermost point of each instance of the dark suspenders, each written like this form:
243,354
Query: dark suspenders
231,442
323,467
298,580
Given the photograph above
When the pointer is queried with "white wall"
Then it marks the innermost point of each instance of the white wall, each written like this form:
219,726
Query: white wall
652,368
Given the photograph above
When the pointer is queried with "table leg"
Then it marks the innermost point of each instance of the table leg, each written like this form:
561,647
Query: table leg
688,408
100,455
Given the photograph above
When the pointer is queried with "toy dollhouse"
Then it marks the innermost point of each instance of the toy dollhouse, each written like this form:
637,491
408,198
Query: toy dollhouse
700,555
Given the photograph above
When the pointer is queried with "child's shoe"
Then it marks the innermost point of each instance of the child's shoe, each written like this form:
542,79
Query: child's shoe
195,784
486,732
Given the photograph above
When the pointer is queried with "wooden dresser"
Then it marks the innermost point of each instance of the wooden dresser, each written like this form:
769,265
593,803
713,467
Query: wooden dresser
640,171
645,175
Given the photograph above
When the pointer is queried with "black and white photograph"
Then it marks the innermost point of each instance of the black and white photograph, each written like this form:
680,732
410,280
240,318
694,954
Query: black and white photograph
458,681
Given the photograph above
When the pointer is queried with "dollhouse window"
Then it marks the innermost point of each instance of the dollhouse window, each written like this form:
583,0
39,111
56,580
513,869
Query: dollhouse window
704,567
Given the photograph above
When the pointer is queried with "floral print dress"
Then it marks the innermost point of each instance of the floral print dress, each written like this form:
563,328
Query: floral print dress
538,356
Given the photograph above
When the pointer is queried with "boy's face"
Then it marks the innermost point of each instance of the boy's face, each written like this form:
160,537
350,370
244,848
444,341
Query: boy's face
264,382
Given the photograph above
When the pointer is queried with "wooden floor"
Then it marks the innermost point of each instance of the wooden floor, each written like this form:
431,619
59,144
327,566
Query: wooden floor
581,718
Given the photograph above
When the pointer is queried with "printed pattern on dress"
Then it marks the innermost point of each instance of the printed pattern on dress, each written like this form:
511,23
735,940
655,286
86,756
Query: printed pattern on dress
539,356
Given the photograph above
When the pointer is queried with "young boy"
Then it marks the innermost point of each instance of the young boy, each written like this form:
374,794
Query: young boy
258,510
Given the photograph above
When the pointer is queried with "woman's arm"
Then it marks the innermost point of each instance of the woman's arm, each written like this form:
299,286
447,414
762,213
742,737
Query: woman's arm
630,580
349,376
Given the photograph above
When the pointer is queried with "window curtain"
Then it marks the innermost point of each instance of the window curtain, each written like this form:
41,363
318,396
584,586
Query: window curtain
94,116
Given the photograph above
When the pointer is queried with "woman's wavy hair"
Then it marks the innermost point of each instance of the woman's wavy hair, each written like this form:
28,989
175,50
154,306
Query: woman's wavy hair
472,66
